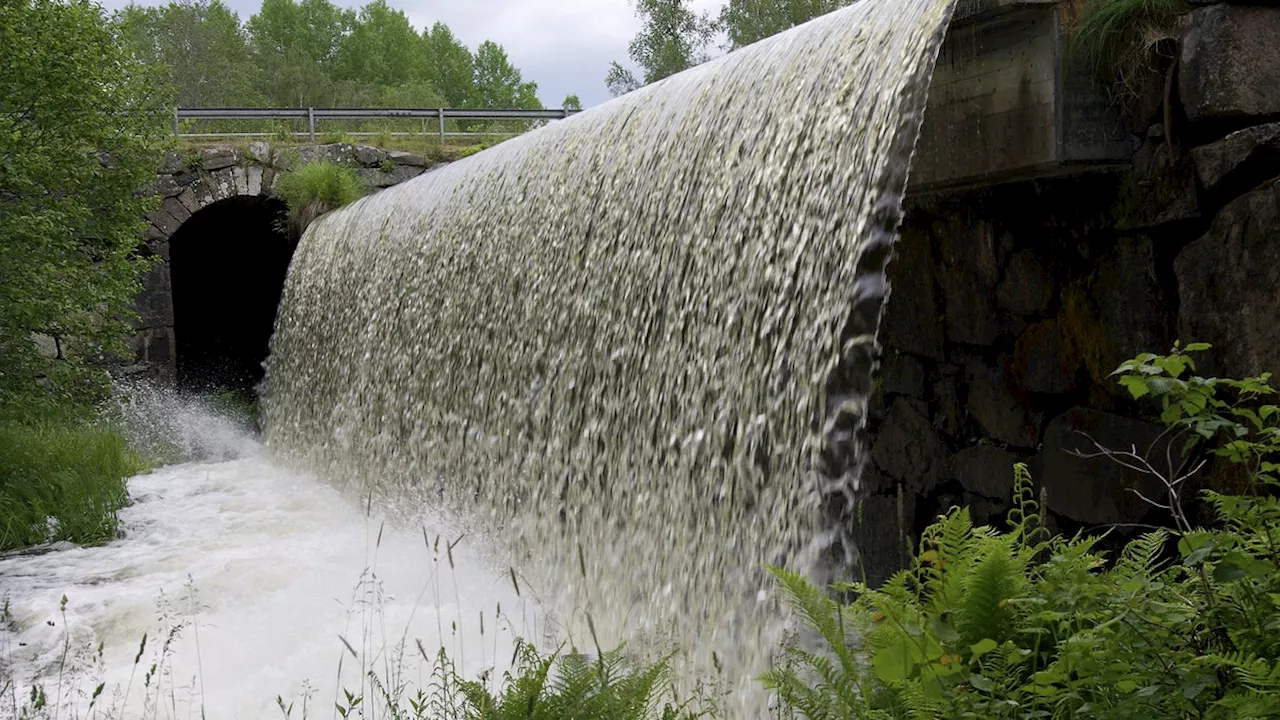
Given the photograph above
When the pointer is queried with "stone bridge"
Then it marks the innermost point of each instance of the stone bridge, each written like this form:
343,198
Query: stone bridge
208,305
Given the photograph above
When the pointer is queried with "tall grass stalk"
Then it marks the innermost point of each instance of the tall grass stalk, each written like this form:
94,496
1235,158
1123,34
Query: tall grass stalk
1116,37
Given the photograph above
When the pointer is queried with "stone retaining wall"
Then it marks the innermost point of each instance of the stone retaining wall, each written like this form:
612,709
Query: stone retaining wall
1012,304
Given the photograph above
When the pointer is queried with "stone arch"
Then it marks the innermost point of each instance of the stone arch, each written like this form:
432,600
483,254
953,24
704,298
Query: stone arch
186,185
187,190
227,267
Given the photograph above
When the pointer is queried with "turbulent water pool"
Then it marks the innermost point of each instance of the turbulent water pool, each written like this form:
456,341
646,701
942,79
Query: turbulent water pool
267,575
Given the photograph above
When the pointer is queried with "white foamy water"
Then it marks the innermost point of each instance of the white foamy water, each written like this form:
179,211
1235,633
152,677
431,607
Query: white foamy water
266,567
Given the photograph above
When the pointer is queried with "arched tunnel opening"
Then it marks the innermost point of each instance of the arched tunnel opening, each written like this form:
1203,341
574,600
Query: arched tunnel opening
228,263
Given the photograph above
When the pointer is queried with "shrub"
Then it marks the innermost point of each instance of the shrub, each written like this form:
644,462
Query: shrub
82,129
61,478
1119,37
1015,624
559,686
317,188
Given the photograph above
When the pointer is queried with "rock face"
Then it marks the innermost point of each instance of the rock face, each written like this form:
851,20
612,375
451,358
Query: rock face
1000,416
1095,490
912,326
1240,158
1042,362
1231,63
908,450
971,269
1027,287
1117,312
1014,302
1229,283
985,470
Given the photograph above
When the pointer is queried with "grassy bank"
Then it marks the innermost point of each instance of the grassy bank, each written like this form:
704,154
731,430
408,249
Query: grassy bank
428,146
62,477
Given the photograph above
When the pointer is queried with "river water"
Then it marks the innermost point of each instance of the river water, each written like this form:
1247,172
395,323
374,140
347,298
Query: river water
263,575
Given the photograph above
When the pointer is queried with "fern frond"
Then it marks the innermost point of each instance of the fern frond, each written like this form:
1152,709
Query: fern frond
1141,556
985,614
820,613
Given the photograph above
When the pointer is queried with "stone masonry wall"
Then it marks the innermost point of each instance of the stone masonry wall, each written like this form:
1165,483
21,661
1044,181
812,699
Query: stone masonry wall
186,184
1011,305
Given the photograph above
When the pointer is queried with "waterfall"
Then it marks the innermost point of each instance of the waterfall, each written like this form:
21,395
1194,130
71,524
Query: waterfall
633,347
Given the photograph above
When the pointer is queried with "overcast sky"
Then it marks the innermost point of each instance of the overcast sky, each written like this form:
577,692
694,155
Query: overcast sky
563,45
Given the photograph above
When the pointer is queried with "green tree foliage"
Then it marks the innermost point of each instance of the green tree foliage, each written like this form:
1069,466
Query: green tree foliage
1016,624
451,68
203,47
382,49
295,46
572,103
80,122
672,38
748,21
297,53
498,83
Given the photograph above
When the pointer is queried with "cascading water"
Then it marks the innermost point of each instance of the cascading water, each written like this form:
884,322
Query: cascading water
635,345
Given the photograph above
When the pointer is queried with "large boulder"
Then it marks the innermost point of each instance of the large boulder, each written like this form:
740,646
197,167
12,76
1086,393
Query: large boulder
1099,490
1243,157
1229,286
1000,416
985,470
908,450
1231,63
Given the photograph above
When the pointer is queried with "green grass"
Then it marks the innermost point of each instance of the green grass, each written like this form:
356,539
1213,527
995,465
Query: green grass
61,478
1115,35
317,188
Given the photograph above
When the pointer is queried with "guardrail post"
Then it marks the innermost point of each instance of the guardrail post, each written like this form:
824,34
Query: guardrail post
311,123
175,122
440,114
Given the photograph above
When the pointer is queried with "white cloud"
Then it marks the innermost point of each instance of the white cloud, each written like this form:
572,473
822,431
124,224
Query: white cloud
564,45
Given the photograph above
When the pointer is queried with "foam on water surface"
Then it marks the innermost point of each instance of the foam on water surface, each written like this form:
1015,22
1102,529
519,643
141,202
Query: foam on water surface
266,567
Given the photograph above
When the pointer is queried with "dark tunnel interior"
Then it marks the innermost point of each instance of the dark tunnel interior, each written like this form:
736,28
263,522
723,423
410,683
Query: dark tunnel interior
228,265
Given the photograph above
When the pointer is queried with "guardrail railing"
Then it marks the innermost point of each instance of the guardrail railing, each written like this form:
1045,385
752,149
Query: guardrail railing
312,114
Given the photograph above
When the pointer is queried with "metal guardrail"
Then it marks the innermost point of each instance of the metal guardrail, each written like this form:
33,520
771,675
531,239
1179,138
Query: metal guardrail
312,114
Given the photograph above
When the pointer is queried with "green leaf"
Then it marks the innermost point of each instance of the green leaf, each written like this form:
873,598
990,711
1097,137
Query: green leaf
1197,347
892,663
1136,384
982,647
1195,547
1236,565
943,630
981,682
